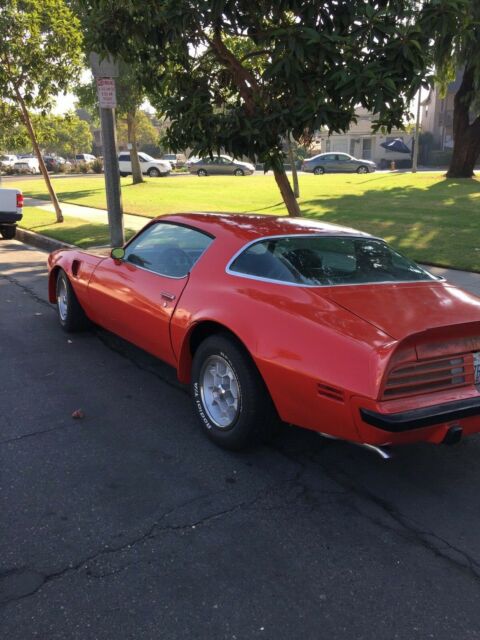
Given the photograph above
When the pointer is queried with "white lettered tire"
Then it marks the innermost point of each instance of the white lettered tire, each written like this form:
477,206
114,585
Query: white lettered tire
229,396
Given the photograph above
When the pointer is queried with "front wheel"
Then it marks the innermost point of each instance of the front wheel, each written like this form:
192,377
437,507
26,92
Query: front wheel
229,395
239,172
153,173
362,169
201,173
318,171
70,313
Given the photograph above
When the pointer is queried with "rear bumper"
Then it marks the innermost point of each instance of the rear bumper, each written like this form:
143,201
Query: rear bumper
420,418
10,217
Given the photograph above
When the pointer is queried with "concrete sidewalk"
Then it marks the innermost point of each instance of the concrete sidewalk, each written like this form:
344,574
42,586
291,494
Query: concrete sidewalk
88,213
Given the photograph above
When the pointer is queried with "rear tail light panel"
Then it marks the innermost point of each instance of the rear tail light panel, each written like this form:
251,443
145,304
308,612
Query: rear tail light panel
19,200
429,376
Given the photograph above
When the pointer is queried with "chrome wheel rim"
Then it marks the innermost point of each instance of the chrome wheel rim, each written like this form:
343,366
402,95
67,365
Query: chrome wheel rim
220,391
62,299
362,170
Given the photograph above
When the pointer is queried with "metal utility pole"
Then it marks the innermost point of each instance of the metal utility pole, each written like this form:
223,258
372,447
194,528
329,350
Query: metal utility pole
417,133
104,72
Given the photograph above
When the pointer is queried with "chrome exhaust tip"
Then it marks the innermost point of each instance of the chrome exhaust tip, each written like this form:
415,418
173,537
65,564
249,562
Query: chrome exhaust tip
382,451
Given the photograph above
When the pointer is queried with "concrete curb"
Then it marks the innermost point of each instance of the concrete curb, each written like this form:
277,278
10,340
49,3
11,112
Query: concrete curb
40,242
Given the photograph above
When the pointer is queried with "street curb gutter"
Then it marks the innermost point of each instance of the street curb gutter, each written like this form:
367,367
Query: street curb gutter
40,242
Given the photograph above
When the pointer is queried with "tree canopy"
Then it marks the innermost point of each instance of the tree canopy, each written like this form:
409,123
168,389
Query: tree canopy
316,61
40,55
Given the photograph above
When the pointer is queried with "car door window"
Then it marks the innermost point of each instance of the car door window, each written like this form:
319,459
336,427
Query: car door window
167,249
124,157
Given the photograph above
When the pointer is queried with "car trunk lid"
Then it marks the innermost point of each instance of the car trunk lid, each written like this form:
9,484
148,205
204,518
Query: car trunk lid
403,309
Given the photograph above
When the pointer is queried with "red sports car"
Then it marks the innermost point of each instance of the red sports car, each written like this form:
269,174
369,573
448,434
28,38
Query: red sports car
268,318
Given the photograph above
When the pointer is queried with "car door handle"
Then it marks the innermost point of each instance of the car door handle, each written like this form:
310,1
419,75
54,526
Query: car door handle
168,296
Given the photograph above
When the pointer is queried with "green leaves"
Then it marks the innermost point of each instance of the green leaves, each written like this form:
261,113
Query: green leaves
241,75
40,50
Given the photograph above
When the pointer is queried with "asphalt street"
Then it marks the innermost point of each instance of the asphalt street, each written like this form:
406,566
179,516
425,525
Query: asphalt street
129,525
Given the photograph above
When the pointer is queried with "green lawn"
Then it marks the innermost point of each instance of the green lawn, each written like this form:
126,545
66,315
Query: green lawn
429,218
74,230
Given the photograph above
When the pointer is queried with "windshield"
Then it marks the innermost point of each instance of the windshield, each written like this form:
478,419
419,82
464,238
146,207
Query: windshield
326,260
146,157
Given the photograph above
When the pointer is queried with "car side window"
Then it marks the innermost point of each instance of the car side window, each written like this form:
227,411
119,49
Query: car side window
124,157
167,249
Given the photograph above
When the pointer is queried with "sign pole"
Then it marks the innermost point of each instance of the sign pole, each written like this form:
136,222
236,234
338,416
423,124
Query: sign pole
104,71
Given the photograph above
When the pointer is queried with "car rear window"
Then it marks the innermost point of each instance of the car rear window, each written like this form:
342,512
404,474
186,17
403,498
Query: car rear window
326,261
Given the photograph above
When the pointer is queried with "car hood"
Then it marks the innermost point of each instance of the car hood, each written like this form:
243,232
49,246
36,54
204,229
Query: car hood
406,308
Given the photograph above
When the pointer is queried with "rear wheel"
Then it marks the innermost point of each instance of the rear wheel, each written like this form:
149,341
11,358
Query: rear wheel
70,313
318,171
123,174
229,395
201,173
362,169
8,232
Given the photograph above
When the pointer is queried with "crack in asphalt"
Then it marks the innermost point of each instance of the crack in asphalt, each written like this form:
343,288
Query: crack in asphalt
34,433
153,531
27,289
408,528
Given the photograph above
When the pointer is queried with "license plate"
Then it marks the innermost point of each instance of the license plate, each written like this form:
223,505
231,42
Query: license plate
476,366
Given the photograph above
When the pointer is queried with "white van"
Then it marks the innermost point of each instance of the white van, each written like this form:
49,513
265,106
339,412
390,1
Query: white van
150,166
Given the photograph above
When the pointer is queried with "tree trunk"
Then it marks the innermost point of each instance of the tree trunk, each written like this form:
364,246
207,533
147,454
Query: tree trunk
466,136
38,153
137,176
248,89
291,159
286,191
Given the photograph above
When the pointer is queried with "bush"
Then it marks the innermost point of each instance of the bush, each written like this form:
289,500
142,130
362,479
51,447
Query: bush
440,158
61,168
97,166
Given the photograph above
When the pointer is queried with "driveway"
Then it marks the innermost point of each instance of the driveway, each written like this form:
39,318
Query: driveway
129,524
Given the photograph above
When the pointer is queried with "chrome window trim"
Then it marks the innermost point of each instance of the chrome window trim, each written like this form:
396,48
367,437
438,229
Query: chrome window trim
176,224
229,271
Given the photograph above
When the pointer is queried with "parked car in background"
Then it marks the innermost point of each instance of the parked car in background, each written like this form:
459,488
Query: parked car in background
11,211
221,165
337,163
54,162
171,158
85,157
7,160
152,167
27,165
380,352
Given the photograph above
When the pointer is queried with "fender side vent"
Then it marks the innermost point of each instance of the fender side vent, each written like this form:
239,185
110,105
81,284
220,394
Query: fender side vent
75,267
330,392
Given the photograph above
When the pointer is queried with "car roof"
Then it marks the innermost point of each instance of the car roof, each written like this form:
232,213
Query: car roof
248,227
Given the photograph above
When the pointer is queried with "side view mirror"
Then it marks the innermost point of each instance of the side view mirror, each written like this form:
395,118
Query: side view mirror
118,253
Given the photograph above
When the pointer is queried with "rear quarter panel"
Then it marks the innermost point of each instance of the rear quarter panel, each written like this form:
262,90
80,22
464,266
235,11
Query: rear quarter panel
297,340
